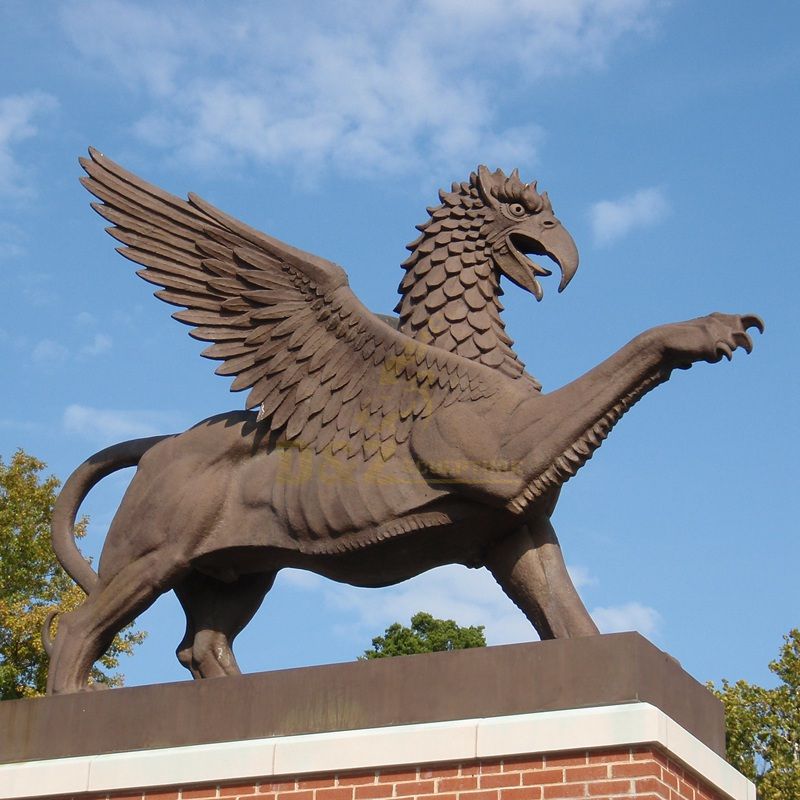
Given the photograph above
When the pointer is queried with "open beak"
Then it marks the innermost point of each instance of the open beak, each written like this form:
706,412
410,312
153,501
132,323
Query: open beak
555,243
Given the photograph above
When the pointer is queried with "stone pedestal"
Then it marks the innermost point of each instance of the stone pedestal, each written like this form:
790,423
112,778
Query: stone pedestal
600,717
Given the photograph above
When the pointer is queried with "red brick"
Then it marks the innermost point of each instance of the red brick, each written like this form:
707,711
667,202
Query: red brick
339,793
324,782
439,772
277,786
234,791
411,788
594,773
608,756
665,762
676,768
493,767
486,794
359,779
638,769
496,781
609,787
308,794
572,760
565,790
542,776
470,769
451,796
526,762
686,790
394,776
651,755
161,795
137,796
669,778
376,790
204,791
457,784
654,786
521,793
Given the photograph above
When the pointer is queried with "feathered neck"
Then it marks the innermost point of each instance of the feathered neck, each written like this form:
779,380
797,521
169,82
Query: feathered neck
450,295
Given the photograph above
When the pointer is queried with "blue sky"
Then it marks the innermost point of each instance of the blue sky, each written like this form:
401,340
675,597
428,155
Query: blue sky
666,135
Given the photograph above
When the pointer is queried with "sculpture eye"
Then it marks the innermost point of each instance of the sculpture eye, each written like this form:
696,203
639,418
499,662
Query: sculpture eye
516,210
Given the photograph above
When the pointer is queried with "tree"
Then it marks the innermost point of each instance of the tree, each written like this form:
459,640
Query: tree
763,726
426,635
32,583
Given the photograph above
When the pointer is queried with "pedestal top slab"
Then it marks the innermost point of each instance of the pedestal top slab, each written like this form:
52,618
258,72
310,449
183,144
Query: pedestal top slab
467,684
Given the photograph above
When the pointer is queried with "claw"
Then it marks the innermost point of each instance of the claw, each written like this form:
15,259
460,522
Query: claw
753,321
743,340
724,349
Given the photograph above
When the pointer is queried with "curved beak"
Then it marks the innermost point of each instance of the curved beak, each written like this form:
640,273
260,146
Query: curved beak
559,245
553,242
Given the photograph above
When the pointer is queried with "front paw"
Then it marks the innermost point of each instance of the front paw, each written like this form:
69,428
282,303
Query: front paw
710,338
729,331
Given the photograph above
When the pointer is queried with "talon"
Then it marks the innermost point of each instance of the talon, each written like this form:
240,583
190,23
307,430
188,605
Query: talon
725,350
743,340
753,321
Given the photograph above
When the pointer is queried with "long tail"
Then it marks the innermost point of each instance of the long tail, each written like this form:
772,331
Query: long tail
78,485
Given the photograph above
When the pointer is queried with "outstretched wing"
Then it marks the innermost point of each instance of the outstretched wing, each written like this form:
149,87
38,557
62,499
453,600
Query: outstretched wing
326,372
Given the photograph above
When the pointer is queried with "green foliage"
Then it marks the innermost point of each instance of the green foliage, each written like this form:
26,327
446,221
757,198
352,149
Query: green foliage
426,635
32,583
763,726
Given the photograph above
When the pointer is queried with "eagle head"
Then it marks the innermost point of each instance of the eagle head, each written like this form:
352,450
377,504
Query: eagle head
521,223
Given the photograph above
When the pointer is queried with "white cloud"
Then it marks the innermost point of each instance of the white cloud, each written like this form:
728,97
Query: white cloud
470,597
101,343
49,351
85,318
628,617
581,577
106,425
17,115
613,219
377,89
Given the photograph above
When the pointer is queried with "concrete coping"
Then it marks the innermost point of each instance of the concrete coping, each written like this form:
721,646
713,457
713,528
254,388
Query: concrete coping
629,724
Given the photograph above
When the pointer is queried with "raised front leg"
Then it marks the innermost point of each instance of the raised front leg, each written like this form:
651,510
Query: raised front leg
555,434
617,383
513,450
530,568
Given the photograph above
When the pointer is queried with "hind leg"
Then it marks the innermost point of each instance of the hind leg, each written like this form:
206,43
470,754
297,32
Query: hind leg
530,568
216,612
86,633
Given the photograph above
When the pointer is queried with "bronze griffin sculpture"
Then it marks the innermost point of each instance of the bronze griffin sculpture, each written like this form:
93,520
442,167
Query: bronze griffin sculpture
377,451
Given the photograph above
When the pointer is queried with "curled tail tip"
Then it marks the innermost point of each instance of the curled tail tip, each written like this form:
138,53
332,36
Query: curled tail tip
47,640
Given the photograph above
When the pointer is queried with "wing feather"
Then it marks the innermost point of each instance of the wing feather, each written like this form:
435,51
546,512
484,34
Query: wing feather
326,372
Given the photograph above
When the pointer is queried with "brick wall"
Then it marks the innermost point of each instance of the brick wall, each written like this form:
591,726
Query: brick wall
640,772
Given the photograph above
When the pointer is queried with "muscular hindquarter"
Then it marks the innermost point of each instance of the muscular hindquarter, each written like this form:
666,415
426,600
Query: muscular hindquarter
221,499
